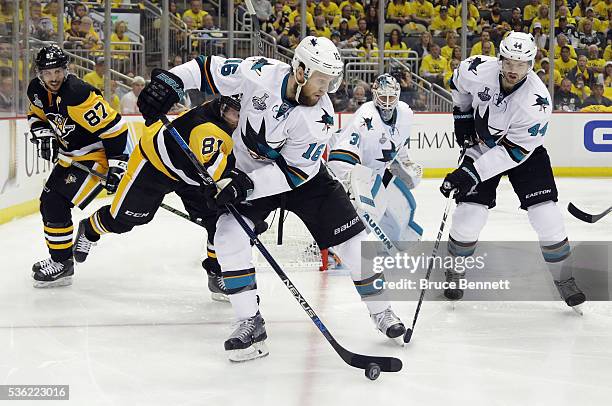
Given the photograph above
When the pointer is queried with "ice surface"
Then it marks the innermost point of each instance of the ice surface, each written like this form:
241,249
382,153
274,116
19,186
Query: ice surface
137,327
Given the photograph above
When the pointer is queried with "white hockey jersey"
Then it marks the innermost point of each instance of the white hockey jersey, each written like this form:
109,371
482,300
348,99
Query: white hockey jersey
368,140
510,126
293,137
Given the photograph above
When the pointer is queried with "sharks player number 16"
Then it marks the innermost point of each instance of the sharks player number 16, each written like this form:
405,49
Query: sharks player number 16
502,113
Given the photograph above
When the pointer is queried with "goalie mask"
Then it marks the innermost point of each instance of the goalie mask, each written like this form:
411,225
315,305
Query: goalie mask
386,93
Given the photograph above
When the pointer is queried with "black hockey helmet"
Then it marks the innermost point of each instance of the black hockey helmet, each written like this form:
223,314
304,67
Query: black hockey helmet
51,57
232,101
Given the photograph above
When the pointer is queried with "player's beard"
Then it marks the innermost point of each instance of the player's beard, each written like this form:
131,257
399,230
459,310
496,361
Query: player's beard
306,100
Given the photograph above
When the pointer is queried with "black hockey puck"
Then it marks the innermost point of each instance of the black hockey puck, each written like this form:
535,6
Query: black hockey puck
372,371
407,335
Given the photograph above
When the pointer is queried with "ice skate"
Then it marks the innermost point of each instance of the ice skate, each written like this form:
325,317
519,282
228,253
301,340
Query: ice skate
571,294
455,277
390,325
82,245
215,280
49,273
247,342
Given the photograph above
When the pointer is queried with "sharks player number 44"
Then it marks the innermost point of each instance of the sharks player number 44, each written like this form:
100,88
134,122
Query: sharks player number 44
502,111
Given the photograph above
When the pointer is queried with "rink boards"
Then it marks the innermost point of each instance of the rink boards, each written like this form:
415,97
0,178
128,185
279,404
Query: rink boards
580,144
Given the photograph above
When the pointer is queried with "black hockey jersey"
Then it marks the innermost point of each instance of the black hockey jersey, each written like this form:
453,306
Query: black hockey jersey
207,135
85,125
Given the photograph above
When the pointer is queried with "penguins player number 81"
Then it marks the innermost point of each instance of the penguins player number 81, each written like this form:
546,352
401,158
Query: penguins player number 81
92,116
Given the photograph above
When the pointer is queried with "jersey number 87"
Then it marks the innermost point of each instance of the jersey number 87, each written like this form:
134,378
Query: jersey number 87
93,116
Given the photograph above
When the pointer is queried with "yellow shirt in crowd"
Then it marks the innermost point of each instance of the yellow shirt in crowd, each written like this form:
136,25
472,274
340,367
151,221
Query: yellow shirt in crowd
433,66
565,67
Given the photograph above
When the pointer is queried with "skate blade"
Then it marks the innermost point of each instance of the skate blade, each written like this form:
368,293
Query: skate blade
257,350
66,281
219,297
399,340
578,309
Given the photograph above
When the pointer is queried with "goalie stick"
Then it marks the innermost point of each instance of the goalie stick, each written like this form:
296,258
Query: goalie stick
366,362
589,218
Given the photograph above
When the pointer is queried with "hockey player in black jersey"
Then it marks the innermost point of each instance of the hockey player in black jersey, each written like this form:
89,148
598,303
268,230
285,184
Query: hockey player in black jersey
70,117
158,166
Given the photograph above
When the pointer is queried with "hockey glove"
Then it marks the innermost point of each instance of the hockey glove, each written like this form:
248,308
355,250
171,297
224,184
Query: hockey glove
465,132
116,168
47,144
158,97
407,171
463,179
233,189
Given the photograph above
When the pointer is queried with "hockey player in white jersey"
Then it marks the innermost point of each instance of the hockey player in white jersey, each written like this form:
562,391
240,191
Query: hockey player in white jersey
376,138
285,123
502,112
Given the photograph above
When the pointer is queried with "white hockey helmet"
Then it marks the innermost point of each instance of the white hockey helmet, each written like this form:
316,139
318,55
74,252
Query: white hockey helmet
518,46
386,93
318,54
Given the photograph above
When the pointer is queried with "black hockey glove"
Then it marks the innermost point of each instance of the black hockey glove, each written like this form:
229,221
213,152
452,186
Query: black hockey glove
116,168
465,132
235,188
462,179
158,97
47,144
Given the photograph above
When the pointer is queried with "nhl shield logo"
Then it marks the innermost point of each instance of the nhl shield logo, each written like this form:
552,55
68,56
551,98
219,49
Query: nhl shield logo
70,179
484,95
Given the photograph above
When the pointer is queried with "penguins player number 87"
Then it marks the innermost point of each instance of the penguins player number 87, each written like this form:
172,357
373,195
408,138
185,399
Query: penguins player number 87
92,116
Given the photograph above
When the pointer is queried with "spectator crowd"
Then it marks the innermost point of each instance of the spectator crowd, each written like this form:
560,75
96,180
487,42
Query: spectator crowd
423,34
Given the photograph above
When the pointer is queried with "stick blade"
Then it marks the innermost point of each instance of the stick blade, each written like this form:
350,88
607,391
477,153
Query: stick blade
579,214
387,364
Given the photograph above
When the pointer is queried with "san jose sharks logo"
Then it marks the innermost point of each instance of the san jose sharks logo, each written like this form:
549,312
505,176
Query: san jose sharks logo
259,64
313,41
484,95
388,154
61,129
474,65
542,102
367,122
326,120
483,129
259,103
256,142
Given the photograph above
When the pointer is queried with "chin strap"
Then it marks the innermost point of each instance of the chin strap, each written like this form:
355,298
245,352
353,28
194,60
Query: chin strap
299,89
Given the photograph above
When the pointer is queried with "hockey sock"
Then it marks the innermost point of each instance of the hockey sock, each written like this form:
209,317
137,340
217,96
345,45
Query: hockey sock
547,221
244,304
58,237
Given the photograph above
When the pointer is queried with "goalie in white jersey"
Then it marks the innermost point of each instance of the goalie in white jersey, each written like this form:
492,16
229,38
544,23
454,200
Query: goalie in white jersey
502,112
285,123
376,138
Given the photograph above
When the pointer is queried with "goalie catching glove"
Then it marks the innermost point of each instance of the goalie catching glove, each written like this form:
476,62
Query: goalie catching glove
48,147
407,171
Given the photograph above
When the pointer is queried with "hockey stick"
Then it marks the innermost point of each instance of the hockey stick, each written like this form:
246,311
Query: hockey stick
409,331
255,22
589,218
371,364
102,176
